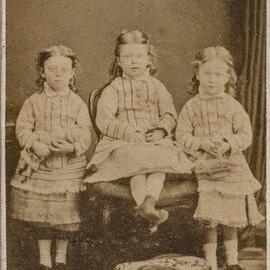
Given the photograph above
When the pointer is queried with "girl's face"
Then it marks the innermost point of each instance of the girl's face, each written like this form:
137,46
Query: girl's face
134,59
58,72
213,76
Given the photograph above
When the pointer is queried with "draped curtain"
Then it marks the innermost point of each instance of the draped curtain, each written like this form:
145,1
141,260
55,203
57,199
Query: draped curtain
252,94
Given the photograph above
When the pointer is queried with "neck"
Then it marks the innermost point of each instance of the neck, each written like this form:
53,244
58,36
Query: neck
207,95
56,90
137,78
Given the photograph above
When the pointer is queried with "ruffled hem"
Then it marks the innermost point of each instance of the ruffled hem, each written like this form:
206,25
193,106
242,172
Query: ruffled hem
245,187
34,185
47,221
230,210
53,209
214,222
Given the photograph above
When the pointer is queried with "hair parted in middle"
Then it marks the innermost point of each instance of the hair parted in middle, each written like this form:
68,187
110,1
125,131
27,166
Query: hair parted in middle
128,37
211,53
56,50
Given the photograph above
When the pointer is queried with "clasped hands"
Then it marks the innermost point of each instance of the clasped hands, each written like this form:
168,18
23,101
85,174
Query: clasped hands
215,149
42,150
140,136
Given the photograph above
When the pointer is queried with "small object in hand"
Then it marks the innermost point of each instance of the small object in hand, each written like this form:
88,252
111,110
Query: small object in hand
93,168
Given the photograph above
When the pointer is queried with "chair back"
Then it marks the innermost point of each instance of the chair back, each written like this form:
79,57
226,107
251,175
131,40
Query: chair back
92,107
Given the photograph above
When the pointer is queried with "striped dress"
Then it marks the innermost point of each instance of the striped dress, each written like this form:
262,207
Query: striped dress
224,199
126,106
49,194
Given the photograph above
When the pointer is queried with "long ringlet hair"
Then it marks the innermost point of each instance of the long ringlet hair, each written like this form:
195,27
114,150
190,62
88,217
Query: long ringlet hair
45,54
135,37
208,54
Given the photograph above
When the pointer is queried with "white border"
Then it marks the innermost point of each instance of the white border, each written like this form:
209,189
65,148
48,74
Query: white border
2,132
3,251
267,133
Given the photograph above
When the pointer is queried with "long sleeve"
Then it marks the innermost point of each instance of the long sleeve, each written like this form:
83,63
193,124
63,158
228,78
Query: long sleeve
83,132
167,110
25,125
184,133
242,132
106,116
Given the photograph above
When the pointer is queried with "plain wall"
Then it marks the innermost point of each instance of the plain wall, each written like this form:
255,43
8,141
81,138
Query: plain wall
178,28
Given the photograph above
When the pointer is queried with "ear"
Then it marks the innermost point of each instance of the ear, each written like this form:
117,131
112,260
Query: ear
117,60
197,75
41,72
73,72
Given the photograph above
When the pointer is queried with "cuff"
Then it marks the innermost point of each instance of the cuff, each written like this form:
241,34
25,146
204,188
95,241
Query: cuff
30,141
168,123
79,149
192,146
233,144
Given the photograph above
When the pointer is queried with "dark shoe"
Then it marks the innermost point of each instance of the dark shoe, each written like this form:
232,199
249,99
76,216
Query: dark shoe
60,266
163,216
147,210
234,267
44,267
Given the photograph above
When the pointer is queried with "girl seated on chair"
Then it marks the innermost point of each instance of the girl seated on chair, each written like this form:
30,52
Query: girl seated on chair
136,116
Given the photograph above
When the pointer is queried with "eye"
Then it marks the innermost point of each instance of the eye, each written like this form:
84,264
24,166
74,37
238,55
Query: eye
64,69
206,73
51,68
125,56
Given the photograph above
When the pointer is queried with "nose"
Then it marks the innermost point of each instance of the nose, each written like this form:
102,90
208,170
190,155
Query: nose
58,72
212,78
133,59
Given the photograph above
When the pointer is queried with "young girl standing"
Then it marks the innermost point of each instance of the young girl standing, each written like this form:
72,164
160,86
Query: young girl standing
53,129
136,116
214,129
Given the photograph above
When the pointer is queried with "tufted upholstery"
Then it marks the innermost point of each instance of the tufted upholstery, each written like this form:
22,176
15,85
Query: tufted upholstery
167,262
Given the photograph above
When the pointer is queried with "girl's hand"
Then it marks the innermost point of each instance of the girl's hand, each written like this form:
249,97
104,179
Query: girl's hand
40,149
62,146
208,147
221,148
154,135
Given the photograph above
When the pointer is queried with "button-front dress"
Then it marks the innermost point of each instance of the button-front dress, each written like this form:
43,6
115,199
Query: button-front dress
228,199
48,196
126,106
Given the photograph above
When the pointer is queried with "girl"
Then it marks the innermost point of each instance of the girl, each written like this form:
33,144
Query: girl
214,129
136,116
53,129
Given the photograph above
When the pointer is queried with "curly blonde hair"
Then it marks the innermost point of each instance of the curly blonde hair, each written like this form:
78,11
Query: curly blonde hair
208,54
136,37
45,54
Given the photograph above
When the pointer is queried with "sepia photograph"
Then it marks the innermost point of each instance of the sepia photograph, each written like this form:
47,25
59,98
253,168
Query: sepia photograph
133,135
